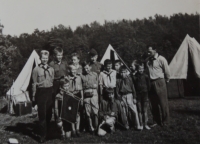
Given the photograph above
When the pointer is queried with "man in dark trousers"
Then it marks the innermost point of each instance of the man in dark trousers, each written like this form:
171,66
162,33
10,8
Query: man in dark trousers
43,76
159,75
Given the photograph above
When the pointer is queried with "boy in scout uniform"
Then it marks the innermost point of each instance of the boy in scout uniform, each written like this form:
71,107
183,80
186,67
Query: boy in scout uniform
60,67
43,76
90,85
75,87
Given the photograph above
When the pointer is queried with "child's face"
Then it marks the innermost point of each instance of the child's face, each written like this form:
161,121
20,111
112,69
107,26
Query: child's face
123,73
73,71
59,56
141,70
66,87
75,60
87,69
93,58
111,96
44,59
117,66
108,67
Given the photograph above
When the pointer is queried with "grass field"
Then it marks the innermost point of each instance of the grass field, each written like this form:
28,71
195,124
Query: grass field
184,127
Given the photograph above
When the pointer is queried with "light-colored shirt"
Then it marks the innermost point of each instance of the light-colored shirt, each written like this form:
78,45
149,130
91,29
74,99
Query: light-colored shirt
90,80
108,79
75,83
158,67
42,77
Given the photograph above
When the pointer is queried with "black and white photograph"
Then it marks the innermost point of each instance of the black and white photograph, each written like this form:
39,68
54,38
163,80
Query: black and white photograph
100,71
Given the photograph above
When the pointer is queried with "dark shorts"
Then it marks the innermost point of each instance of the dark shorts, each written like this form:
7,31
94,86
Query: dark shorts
142,102
67,126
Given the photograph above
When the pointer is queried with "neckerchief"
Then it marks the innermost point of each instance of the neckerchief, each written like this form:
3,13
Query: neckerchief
45,69
108,74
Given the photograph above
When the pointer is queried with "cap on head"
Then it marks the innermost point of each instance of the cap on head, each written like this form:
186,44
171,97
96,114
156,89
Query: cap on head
93,52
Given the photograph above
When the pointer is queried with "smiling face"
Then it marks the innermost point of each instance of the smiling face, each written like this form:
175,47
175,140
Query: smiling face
73,70
108,67
151,52
87,69
141,69
59,56
44,59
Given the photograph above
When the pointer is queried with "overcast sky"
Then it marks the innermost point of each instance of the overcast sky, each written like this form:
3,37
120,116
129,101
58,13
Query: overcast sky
23,16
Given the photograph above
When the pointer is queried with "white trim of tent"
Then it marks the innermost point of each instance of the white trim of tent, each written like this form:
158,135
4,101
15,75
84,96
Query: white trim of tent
116,56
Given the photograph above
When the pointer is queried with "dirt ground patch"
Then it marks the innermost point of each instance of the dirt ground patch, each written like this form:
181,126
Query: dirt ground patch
184,127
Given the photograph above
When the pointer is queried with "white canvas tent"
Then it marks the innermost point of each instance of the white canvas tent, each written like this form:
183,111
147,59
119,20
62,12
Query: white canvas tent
22,82
188,54
108,53
179,64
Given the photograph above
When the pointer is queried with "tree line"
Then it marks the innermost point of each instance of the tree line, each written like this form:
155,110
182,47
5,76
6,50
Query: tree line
128,37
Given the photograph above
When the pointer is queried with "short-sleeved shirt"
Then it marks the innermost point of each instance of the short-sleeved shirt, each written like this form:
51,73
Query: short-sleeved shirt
59,68
96,67
90,80
42,77
75,83
108,79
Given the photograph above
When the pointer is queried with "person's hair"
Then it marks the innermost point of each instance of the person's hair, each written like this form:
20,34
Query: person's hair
57,50
44,52
71,66
118,61
122,68
107,62
153,46
85,63
75,55
63,82
134,62
139,64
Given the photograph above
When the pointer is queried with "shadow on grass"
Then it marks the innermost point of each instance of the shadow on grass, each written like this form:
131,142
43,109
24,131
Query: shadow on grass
28,129
189,112
31,130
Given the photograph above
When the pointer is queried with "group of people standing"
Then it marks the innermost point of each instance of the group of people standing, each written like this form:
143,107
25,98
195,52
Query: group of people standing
108,95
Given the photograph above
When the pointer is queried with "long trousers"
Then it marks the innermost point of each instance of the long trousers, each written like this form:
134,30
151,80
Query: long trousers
159,101
44,102
128,101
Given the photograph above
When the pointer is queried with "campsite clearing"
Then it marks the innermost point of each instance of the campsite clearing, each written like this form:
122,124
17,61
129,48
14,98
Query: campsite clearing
184,127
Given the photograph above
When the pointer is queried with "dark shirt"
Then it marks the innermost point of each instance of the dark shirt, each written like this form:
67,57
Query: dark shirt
125,86
118,76
60,69
96,67
107,107
142,82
